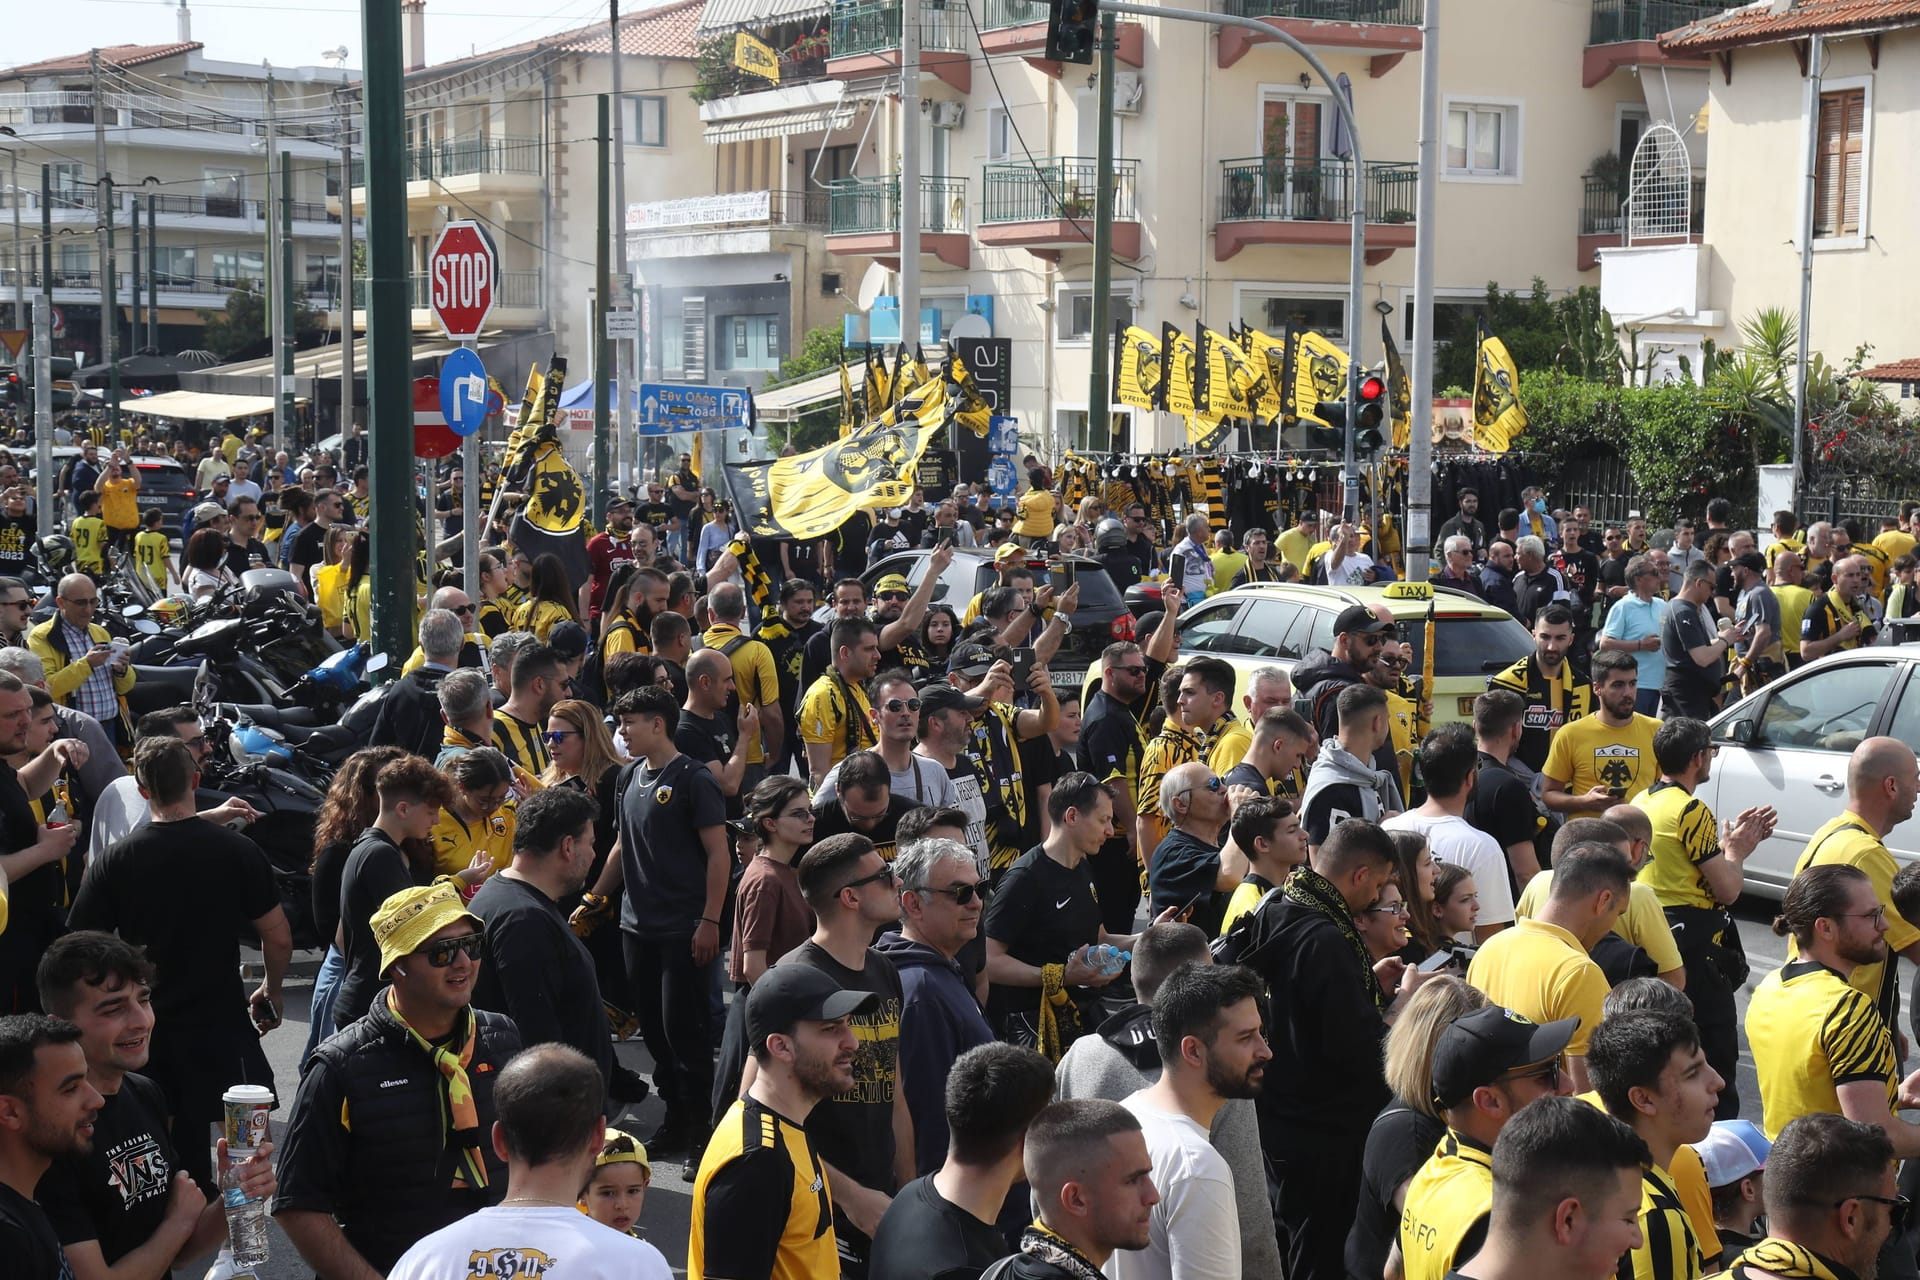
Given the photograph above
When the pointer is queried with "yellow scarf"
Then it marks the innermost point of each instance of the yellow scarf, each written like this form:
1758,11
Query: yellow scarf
459,1112
1056,1007
1776,1257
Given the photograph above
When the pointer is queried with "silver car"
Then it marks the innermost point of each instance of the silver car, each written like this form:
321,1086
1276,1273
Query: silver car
1788,746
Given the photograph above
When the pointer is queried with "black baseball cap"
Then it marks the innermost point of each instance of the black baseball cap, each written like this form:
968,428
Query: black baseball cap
790,993
615,498
1486,1044
971,658
1751,561
944,697
1357,618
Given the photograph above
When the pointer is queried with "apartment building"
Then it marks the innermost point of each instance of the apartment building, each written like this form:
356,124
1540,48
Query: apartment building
186,136
1857,138
1232,181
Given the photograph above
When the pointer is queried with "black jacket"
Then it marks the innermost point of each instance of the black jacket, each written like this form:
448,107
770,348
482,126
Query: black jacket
409,714
1320,677
537,972
366,1143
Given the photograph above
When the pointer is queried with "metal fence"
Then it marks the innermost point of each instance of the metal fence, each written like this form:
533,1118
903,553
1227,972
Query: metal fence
1313,190
1060,187
1617,20
866,205
1395,13
1604,484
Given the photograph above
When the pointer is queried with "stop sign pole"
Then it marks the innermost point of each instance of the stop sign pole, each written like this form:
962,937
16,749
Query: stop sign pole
461,278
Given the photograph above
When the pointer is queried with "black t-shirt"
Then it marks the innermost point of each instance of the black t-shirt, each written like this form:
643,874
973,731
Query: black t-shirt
708,739
914,523
309,546
654,514
830,819
329,865
789,656
662,813
182,890
27,1240
804,555
376,870
925,1236
1582,570
117,1193
853,1131
1182,869
1503,806
16,537
1040,766
242,556
850,545
1682,630
1400,1141
1042,911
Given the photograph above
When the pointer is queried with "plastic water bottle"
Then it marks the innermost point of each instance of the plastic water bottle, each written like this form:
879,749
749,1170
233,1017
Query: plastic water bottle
246,1220
1107,959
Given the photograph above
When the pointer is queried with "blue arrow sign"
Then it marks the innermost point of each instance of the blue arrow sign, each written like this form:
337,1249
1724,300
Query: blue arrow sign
463,391
670,406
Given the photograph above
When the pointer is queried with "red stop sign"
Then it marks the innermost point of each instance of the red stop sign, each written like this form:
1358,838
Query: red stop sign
460,279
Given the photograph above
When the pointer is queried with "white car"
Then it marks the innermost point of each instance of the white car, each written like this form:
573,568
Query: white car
1788,746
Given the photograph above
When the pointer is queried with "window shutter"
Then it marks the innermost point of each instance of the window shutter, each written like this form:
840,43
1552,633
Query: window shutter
1853,159
1841,163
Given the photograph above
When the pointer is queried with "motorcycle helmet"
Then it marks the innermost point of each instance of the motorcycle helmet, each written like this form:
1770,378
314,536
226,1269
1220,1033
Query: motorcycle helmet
249,744
169,611
56,552
1109,536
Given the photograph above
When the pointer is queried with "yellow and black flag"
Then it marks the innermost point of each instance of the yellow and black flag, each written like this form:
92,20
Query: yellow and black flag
1399,389
756,57
811,494
1177,352
1498,415
849,416
1319,373
1137,367
1229,377
553,521
968,407
1268,355
877,383
909,372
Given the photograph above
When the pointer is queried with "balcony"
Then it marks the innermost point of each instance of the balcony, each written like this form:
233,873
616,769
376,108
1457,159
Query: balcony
1626,33
1385,30
1047,207
866,41
863,219
1604,214
500,166
1309,203
1019,27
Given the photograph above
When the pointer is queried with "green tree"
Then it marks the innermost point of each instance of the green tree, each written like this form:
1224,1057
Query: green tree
244,324
820,351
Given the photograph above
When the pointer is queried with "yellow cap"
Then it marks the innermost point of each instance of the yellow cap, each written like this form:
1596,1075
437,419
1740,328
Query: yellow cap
891,582
622,1147
405,921
1009,551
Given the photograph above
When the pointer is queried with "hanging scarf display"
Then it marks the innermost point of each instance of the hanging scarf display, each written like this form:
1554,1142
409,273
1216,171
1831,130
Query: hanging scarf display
459,1113
1312,890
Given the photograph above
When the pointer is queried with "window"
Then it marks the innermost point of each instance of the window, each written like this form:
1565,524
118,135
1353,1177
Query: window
650,120
827,165
1273,311
999,134
1263,631
1840,178
68,187
225,191
748,342
1076,427
323,275
174,265
1210,630
1828,711
1906,720
1482,140
1075,313
76,263
233,268
672,344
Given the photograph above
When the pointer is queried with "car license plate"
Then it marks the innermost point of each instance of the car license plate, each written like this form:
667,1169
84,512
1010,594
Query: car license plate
1466,708
1067,679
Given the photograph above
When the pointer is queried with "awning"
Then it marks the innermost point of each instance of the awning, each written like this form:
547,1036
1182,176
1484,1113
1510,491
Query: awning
199,406
812,107
784,404
722,16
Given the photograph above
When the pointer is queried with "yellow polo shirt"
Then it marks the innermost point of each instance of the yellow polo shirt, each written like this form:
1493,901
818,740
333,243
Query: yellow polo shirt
1588,753
1541,971
1810,1032
1444,1219
1845,840
1643,923
1684,836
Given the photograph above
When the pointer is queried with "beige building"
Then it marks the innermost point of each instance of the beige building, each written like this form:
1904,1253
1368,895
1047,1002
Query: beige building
1862,132
1231,188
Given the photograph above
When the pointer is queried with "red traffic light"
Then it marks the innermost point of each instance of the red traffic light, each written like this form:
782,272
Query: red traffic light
1372,388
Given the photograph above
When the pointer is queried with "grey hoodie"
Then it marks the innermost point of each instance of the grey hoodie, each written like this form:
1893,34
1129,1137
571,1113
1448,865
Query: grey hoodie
1335,765
1121,1058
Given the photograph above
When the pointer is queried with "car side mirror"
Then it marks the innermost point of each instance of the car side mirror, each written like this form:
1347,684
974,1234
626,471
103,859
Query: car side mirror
1740,732
377,663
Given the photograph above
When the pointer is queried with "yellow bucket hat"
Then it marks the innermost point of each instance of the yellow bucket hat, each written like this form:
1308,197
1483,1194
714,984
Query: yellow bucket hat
406,920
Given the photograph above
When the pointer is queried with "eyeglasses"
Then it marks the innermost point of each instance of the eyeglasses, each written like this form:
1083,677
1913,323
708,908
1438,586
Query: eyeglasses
554,737
1897,1207
197,744
1548,1071
1878,914
961,894
897,705
466,610
890,595
441,953
883,876
1390,909
22,603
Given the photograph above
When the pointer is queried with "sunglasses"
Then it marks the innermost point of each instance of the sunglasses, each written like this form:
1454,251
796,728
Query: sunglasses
891,595
555,737
1897,1207
961,894
441,953
466,610
883,876
1548,1071
897,705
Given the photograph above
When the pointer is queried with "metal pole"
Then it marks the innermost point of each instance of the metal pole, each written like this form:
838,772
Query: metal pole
153,277
283,302
912,199
470,516
1816,52
276,287
623,363
133,218
1100,393
43,413
110,307
602,285
346,266
19,272
1419,532
389,331
46,238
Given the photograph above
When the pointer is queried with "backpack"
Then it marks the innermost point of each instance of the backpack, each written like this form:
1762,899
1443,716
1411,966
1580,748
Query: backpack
1232,947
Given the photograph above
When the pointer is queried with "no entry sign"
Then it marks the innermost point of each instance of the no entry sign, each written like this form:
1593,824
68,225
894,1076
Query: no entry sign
460,279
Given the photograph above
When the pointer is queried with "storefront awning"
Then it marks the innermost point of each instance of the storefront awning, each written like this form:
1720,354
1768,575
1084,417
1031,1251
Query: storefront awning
811,107
784,404
198,406
722,16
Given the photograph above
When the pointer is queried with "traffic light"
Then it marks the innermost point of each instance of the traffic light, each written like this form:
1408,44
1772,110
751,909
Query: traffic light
1372,400
12,390
1070,30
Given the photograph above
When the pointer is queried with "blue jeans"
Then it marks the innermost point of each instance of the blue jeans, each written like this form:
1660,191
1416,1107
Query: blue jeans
326,986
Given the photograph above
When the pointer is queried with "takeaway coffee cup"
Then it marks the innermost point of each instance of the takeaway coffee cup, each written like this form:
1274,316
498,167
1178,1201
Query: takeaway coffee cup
248,1108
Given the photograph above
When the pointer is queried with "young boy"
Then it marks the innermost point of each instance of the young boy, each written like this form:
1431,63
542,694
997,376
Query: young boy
1902,600
151,551
89,534
619,1184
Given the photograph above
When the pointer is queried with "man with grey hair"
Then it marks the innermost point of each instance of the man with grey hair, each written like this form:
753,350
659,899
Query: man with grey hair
466,708
1537,584
1726,592
1267,687
1188,871
1456,568
84,669
500,656
1190,564
940,909
409,711
103,762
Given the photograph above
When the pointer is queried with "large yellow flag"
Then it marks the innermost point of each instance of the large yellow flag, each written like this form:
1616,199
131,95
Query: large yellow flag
1269,355
877,383
1229,377
756,57
969,408
1399,390
1137,368
1319,373
1498,415
1177,351
811,494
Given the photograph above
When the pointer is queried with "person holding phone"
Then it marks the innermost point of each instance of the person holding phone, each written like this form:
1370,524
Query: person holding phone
83,671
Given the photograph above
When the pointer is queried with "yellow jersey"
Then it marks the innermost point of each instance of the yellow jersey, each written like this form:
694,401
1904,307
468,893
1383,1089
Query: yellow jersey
120,502
1684,836
1643,923
1669,1248
757,1159
520,742
89,535
152,554
540,617
756,681
1846,840
455,843
330,593
1172,747
1444,1219
1810,1032
1541,971
1230,747
1588,753
1793,603
835,713
1036,514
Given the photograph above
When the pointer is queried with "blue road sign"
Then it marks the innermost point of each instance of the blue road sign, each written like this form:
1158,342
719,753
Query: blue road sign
463,391
672,406
1003,438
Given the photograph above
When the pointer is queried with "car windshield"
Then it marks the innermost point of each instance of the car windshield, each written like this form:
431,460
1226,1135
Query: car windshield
1467,646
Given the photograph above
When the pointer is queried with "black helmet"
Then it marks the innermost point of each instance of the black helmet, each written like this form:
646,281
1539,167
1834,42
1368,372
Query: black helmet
1109,535
56,552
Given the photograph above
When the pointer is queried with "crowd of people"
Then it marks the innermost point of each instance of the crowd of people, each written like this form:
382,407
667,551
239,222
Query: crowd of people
945,971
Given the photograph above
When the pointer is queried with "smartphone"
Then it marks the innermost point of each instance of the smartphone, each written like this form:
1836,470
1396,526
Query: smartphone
1437,961
1193,902
1063,579
1022,662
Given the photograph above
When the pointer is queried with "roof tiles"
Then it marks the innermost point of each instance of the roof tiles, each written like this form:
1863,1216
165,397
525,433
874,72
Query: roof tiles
1766,22
118,55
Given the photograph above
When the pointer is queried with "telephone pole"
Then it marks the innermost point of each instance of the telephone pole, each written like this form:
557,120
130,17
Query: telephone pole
276,287
346,264
1100,394
623,356
910,196
103,226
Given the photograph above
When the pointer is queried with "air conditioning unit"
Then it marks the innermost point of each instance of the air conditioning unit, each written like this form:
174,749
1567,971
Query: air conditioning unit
1128,91
948,115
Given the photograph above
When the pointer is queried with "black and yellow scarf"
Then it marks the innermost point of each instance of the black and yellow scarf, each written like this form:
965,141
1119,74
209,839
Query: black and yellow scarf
459,1109
1312,890
1055,1251
1776,1257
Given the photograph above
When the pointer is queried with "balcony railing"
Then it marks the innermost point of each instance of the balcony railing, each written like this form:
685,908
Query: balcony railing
1394,13
464,157
1313,191
510,289
998,14
857,206
729,81
150,111
1617,20
213,288
874,25
1044,190
1602,207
